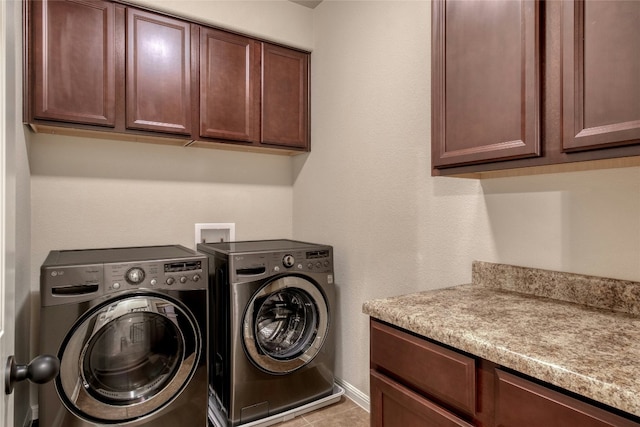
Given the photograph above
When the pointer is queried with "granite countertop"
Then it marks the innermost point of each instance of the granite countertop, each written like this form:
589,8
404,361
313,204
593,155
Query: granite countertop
580,333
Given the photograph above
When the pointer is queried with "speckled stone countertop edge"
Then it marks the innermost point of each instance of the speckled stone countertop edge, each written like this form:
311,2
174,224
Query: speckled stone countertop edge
464,330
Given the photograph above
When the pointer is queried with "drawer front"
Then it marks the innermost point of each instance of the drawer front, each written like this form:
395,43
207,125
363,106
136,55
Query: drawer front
522,403
441,373
393,405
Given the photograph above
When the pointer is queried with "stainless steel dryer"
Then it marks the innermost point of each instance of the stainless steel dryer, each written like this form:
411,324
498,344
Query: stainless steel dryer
271,335
129,328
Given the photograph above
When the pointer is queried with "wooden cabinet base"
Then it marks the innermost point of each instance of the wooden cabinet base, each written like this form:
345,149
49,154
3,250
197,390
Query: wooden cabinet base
408,375
522,403
395,405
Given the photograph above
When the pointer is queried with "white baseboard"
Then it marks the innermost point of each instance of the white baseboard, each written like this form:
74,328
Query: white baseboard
360,398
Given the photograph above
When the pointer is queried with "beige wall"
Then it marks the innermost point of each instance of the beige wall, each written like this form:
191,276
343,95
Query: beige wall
366,186
582,222
95,193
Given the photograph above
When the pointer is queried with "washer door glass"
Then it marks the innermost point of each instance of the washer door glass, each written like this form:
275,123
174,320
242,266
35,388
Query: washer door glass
285,324
132,357
128,358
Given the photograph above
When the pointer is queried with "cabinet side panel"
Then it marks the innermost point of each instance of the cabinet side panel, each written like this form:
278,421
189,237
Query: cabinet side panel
74,61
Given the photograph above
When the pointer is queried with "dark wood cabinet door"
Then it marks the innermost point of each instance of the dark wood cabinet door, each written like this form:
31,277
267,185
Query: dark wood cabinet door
285,97
424,366
393,405
600,73
485,81
229,86
521,403
73,56
158,82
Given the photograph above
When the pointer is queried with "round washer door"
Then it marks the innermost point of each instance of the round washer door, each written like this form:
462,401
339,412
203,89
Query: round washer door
128,358
285,324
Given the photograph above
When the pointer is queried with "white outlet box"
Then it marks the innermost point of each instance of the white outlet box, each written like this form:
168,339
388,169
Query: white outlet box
215,232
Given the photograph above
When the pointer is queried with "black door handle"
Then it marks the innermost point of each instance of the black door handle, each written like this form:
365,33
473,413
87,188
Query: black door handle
41,370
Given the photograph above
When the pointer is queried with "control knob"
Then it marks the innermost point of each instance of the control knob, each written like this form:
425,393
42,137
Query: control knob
134,276
288,261
170,281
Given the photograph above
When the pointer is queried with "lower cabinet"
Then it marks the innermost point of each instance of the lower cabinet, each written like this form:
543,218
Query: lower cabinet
393,404
418,383
520,402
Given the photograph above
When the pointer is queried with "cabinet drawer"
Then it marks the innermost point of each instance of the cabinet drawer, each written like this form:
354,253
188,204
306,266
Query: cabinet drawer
444,374
394,405
522,403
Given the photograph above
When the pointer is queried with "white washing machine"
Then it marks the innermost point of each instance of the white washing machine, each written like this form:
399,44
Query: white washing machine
271,332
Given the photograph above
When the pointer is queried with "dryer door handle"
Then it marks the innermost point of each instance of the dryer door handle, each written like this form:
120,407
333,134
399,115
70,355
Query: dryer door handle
41,370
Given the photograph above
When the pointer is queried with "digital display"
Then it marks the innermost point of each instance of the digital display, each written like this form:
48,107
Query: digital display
317,254
182,266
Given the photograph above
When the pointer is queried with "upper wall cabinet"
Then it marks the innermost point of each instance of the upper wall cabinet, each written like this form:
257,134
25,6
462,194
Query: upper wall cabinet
519,84
253,92
229,86
74,77
159,73
103,66
485,81
600,73
285,97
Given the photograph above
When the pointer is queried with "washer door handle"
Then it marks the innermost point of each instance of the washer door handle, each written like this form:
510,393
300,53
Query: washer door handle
41,370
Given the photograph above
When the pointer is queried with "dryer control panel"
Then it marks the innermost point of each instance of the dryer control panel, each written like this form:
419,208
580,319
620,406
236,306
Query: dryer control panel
76,276
168,274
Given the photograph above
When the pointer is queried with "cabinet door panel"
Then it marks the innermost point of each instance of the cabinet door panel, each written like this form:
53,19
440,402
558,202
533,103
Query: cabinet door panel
485,82
158,73
393,405
74,61
521,403
229,86
285,97
601,73
429,368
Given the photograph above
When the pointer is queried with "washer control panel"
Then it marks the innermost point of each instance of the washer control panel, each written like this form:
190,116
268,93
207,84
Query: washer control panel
248,267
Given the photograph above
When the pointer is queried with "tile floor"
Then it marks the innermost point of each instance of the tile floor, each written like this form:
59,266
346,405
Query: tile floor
344,413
